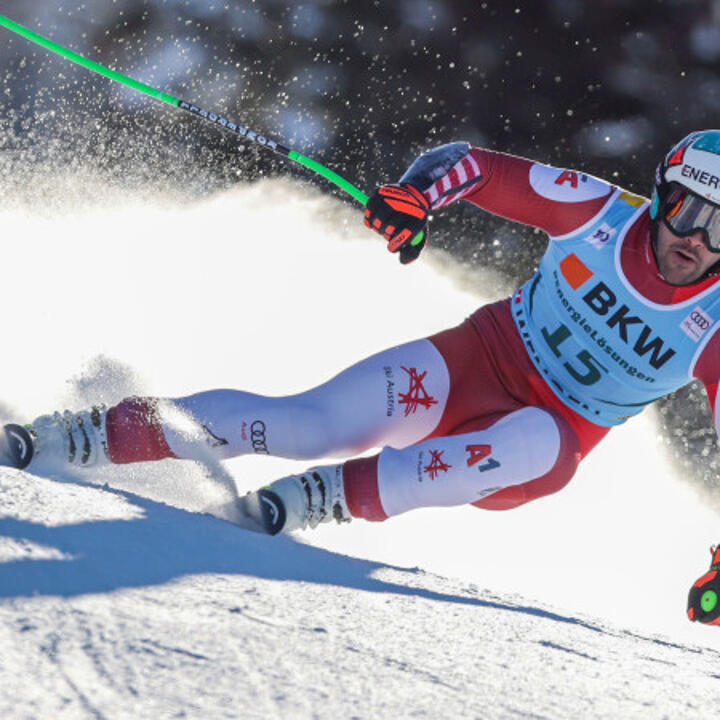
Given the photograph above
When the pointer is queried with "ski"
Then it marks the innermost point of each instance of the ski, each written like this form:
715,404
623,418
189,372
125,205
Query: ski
262,511
16,446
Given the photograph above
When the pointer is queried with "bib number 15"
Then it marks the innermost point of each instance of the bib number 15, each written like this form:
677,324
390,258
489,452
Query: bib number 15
587,370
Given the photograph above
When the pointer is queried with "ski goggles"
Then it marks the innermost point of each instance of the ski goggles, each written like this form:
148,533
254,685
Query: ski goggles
686,213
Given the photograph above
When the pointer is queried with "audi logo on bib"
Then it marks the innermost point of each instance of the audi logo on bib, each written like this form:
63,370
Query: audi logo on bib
700,320
696,324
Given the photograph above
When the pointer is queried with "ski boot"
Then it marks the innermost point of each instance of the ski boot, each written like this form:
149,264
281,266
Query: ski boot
704,596
55,442
296,502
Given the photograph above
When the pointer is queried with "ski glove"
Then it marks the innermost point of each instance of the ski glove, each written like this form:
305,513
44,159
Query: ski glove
399,213
704,596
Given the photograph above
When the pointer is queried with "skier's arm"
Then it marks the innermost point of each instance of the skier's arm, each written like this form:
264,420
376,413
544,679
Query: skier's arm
704,596
554,200
706,367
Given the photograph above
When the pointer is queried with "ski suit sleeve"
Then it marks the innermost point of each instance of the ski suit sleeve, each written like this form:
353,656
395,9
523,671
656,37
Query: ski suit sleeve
707,366
555,200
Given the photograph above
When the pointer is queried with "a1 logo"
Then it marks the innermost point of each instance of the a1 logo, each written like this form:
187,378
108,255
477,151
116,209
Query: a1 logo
477,453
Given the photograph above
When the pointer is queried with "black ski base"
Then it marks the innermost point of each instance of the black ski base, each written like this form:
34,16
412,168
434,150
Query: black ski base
16,446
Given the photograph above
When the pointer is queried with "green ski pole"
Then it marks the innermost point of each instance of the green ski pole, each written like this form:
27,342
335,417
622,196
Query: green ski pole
212,117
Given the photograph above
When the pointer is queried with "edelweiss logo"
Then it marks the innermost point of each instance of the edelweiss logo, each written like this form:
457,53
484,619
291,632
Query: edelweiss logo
436,464
416,394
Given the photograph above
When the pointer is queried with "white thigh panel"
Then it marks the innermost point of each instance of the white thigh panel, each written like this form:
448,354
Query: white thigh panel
460,469
396,397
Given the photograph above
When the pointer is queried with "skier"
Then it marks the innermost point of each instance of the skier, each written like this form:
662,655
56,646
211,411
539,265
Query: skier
496,412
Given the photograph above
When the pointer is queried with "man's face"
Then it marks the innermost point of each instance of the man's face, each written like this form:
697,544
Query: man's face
682,259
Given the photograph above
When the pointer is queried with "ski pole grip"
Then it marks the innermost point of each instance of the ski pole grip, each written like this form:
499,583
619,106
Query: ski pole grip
342,183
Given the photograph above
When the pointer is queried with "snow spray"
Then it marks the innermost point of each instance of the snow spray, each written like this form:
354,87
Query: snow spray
215,118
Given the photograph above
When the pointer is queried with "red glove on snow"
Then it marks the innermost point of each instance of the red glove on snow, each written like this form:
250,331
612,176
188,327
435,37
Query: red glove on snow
398,213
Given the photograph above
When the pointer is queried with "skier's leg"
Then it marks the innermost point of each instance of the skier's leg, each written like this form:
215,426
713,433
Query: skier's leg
531,452
364,406
396,397
531,448
504,439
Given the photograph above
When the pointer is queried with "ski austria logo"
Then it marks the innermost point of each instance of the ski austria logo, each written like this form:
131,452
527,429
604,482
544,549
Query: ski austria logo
566,185
416,396
601,237
696,324
436,464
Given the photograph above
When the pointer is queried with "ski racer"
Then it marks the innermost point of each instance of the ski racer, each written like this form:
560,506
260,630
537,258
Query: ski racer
498,411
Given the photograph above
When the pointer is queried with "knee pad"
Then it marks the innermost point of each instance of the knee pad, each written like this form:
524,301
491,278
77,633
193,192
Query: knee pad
555,479
469,467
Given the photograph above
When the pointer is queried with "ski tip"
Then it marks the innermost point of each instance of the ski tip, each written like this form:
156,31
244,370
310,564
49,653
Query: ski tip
273,511
262,511
16,446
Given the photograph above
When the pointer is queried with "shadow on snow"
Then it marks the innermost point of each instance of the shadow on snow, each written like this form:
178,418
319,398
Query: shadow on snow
168,543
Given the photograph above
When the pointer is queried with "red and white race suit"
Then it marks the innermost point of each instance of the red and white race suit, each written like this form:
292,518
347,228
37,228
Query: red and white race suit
464,416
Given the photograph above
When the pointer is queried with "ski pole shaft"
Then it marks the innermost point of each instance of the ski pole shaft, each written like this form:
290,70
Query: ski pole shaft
212,117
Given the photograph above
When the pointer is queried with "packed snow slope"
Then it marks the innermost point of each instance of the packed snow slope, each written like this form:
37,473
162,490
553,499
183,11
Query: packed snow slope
122,596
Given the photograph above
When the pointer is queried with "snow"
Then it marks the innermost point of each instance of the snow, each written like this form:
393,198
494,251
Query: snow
121,597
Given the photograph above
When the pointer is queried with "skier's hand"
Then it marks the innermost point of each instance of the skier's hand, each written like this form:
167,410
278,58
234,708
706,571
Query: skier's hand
399,213
704,596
